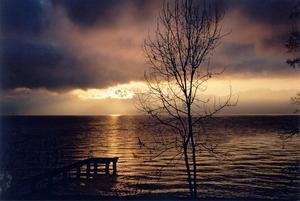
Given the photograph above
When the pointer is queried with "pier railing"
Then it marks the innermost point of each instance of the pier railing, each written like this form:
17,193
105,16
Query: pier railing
88,169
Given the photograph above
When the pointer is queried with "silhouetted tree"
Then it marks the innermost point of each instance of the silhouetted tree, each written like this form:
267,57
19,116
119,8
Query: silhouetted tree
186,35
293,41
293,45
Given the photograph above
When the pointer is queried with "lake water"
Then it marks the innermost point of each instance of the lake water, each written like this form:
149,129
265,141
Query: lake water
255,157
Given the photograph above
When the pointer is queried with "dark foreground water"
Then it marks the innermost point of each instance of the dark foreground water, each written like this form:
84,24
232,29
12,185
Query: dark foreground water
255,156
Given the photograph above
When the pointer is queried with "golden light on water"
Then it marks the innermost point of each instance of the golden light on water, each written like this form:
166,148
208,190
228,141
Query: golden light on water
115,115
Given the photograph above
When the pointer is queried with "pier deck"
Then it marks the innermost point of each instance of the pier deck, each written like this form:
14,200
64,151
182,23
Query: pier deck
88,169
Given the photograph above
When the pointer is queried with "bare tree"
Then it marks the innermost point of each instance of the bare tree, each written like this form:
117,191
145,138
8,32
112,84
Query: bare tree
293,45
186,35
293,41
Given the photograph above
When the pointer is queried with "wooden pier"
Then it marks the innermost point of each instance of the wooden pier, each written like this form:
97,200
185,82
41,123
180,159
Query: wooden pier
85,169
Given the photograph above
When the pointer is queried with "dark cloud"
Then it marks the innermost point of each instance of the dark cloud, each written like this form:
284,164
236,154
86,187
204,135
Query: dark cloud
60,45
88,12
276,42
42,65
36,65
269,12
35,59
22,17
244,60
95,12
272,16
229,49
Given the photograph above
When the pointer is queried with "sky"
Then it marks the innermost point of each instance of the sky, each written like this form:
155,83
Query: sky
85,57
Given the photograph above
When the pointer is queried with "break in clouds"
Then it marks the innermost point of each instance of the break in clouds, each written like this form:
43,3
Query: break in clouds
67,44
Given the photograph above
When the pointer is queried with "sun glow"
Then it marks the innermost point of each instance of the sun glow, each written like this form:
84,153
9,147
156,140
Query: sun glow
114,93
215,87
121,91
114,115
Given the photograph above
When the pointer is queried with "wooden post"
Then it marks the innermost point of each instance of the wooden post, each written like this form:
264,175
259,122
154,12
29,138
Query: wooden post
74,170
78,172
107,168
88,170
114,167
95,168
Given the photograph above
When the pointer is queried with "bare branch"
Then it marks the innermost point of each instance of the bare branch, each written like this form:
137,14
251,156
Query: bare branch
186,35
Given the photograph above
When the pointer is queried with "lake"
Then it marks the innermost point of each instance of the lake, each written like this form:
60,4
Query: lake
254,157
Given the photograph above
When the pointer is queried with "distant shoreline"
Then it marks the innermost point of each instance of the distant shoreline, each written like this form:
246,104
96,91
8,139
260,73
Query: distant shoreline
220,115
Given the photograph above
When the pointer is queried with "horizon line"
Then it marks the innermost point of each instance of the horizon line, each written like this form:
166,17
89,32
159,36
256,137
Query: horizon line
120,115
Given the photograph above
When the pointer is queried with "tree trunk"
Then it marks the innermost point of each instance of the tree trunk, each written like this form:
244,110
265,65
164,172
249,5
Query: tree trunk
188,171
194,166
191,137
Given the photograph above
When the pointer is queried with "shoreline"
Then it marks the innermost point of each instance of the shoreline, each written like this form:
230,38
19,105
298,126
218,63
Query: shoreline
133,198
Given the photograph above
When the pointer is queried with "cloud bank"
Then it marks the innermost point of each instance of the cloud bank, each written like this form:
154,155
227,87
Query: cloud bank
66,44
51,48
